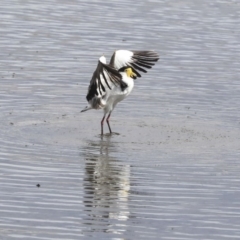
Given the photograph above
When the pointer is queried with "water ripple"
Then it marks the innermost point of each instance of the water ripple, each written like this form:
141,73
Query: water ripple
174,169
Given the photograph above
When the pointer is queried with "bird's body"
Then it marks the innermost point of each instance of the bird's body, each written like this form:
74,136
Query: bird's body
117,94
113,82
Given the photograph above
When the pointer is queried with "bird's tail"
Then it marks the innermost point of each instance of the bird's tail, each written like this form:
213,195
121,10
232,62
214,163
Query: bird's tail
87,108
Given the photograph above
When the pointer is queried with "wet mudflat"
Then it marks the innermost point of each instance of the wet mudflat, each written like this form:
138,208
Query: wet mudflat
172,173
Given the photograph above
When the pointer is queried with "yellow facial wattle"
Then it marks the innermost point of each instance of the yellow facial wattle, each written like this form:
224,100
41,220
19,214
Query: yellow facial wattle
130,73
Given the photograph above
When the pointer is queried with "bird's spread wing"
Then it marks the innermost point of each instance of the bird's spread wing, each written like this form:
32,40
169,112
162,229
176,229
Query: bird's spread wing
104,79
139,60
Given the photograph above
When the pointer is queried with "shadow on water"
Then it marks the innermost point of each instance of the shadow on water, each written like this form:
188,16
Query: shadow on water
106,187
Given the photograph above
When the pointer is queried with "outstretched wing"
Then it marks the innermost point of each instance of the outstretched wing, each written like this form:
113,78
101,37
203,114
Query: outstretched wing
139,60
104,79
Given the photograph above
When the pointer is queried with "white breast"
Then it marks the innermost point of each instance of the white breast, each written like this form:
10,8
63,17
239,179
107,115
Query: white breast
129,81
116,95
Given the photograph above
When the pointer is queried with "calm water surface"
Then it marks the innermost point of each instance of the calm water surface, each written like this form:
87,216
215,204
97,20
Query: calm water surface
172,173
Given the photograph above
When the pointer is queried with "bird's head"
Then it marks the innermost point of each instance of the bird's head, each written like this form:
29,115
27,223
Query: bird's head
129,71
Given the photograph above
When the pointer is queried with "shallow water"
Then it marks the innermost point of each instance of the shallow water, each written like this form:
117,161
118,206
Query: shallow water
172,173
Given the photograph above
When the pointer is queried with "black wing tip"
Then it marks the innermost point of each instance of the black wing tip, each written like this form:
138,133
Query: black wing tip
143,60
149,55
91,94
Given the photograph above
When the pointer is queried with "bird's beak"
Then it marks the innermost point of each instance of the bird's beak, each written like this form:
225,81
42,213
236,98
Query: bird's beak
133,74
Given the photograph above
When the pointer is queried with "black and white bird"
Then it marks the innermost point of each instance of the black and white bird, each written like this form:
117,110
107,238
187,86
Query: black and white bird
113,82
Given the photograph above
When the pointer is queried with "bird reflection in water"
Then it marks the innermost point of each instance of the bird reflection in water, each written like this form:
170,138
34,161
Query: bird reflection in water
106,186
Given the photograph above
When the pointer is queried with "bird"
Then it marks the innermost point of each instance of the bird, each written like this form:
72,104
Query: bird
113,82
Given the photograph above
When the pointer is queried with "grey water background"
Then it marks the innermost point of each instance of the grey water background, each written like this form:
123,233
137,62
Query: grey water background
172,173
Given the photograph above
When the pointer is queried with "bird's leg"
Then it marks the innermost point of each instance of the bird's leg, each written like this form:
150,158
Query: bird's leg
102,124
107,120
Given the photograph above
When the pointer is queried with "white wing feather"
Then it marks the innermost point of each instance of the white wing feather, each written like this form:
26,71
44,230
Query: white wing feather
122,58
